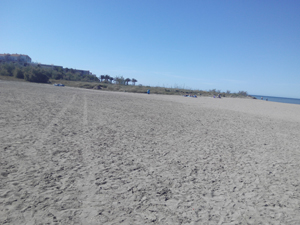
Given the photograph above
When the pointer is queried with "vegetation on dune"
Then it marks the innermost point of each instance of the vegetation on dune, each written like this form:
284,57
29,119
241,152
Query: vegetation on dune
68,77
42,75
143,89
119,83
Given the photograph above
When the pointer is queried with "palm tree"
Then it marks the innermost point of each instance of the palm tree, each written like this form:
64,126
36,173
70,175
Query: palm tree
101,78
106,77
133,81
116,79
127,80
111,79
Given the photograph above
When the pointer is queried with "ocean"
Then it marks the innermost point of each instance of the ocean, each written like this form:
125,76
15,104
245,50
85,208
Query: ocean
278,99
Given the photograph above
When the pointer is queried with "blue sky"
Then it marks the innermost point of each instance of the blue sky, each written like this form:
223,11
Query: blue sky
252,45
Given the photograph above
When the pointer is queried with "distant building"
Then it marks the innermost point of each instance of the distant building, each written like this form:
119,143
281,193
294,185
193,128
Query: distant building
22,59
46,66
81,72
19,58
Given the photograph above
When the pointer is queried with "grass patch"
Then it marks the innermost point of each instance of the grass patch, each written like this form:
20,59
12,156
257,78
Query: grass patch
11,78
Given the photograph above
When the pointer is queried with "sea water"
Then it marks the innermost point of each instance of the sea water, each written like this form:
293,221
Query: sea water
278,99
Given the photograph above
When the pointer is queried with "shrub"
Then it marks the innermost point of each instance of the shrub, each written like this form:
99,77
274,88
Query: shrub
9,67
6,69
18,73
56,75
243,93
87,86
35,76
4,72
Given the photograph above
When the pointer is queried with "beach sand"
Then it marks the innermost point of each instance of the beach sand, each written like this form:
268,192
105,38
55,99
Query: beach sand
77,156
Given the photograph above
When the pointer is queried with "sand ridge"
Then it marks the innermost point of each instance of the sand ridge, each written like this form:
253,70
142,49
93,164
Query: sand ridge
75,156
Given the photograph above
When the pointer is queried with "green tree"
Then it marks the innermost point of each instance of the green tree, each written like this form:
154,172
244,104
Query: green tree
101,78
4,72
106,77
127,80
70,76
58,69
133,81
7,69
56,75
119,80
35,75
18,73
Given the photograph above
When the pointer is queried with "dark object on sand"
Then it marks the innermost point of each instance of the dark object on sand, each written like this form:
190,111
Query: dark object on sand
61,85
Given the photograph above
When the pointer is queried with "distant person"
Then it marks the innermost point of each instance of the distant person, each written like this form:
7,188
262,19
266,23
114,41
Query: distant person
262,98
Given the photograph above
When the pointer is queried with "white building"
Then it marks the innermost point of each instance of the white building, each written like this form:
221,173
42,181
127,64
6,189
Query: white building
15,58
46,66
22,59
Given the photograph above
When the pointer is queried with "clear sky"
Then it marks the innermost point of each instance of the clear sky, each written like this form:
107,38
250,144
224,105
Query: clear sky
234,45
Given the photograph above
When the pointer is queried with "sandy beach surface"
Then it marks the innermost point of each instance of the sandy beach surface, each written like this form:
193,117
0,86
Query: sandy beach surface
77,156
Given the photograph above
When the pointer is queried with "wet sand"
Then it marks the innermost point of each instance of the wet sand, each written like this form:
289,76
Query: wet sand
76,156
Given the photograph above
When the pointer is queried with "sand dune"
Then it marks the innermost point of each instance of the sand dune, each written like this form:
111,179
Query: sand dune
75,156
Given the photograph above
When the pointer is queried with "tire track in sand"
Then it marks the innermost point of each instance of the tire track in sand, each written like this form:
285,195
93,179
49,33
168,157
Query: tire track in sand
37,145
30,167
48,129
87,185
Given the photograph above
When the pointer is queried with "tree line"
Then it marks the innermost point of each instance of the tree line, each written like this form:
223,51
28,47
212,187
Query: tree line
117,80
42,75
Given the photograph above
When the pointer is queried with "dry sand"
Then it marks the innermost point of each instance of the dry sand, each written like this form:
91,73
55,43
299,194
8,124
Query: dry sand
75,156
